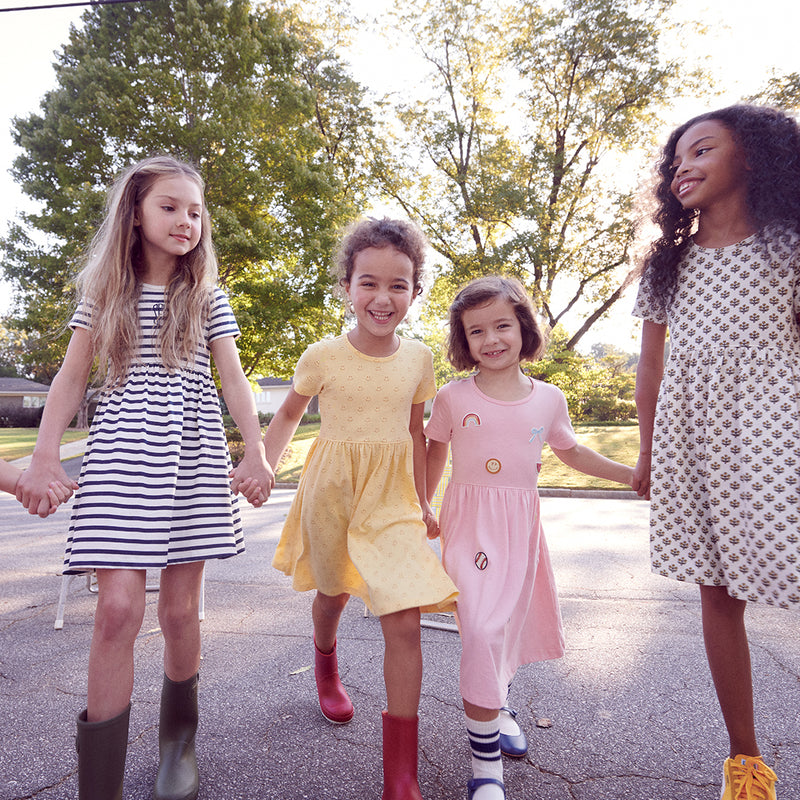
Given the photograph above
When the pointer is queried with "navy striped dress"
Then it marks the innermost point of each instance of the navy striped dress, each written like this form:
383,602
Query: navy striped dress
154,486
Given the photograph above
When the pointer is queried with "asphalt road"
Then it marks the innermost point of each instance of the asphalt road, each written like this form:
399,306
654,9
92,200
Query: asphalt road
632,704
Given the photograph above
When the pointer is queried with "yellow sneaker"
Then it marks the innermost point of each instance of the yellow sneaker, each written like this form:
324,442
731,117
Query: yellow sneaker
747,778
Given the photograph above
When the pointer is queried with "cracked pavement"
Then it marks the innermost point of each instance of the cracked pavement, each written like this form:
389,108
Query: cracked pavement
632,704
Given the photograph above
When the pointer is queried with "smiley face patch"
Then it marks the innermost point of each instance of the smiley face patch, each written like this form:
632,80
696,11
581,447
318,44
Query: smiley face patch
493,466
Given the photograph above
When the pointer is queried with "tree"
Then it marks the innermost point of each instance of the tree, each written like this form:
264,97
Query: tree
252,97
782,91
533,104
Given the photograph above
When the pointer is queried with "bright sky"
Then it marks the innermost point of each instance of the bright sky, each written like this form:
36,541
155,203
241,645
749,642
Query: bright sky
747,42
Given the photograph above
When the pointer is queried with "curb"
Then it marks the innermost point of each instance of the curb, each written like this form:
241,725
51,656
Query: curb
587,494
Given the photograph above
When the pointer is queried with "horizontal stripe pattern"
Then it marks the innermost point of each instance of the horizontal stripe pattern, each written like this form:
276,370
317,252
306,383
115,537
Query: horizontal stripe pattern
154,486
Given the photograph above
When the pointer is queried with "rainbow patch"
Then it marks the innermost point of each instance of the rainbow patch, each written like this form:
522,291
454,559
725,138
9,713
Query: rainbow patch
471,419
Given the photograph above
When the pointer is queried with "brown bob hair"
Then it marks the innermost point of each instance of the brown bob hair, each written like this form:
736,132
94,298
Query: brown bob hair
480,292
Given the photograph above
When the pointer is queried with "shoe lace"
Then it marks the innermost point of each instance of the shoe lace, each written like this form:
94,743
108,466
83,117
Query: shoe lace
753,781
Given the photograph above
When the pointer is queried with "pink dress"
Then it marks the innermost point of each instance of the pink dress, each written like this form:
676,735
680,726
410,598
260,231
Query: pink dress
493,545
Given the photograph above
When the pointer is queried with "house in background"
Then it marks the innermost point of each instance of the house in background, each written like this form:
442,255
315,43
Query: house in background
272,392
16,393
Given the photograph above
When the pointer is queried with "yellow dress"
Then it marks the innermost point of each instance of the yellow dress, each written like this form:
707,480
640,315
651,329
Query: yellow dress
355,524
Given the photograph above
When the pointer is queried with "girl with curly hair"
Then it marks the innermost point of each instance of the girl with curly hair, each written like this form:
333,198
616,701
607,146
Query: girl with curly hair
720,422
358,523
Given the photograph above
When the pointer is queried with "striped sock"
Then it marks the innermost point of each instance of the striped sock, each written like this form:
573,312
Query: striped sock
484,741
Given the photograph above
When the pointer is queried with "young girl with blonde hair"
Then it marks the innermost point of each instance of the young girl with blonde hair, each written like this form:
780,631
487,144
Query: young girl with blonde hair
156,486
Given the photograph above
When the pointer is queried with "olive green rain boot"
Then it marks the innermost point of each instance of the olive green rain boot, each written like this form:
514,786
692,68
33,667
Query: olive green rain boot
102,747
178,778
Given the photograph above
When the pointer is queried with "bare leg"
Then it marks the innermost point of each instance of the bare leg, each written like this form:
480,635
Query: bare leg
729,660
178,614
117,622
479,713
326,611
402,662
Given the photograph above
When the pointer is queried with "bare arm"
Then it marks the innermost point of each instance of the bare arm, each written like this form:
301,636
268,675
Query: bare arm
415,426
590,462
649,373
434,466
9,477
253,476
283,426
63,399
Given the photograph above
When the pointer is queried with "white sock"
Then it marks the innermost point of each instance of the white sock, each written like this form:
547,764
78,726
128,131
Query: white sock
487,761
508,725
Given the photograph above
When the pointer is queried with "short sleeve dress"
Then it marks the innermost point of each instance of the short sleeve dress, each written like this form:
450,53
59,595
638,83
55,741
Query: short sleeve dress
493,544
355,524
154,487
725,476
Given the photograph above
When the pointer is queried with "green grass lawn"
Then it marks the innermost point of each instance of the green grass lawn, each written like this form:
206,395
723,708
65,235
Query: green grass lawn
620,443
295,456
19,442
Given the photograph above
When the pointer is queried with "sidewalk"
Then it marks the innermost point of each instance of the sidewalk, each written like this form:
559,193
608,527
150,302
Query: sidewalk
633,709
67,451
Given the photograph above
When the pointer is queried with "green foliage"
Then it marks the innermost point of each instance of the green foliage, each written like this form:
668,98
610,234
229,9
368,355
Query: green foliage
595,390
530,194
249,94
782,91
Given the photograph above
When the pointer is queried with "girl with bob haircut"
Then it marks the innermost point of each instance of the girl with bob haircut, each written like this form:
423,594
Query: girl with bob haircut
156,489
483,291
493,547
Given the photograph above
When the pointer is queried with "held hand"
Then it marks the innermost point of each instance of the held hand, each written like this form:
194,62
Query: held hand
43,486
59,493
640,482
430,522
253,477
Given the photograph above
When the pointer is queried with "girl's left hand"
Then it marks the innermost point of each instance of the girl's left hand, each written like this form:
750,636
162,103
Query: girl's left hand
641,476
59,493
431,522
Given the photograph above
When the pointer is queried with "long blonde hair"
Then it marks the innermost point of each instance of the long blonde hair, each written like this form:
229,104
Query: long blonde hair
111,280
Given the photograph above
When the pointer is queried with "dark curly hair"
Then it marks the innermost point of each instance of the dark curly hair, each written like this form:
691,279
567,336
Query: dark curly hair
404,236
769,140
481,292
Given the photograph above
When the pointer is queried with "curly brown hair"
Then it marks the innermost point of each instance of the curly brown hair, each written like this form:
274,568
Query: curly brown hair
769,140
480,292
403,235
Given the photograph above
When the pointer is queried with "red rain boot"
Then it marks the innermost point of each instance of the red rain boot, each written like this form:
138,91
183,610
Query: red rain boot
333,700
400,758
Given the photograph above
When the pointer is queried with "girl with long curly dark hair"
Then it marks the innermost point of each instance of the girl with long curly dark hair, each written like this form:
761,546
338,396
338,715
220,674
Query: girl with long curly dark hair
720,422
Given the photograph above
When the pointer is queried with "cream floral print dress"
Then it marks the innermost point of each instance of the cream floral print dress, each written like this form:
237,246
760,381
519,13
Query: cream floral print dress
725,506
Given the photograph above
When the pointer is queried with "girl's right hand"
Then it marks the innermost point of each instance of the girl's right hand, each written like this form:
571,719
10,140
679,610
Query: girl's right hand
641,476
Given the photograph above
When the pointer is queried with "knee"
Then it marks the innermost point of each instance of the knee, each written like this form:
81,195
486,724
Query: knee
715,599
176,618
402,628
330,605
118,616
